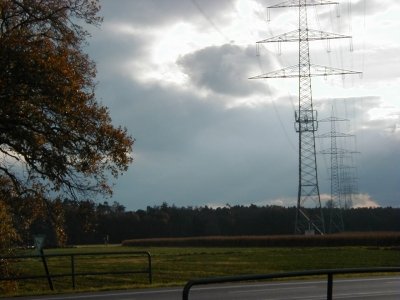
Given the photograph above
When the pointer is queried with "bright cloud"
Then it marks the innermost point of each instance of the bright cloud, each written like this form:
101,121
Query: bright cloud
363,200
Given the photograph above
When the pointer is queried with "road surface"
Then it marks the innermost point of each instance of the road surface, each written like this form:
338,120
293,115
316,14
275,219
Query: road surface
375,288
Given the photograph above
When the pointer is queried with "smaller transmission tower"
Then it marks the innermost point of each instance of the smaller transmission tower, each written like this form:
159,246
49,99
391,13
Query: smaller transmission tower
349,179
336,154
306,122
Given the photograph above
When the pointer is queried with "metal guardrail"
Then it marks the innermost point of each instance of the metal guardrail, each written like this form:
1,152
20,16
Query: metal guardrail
328,272
73,274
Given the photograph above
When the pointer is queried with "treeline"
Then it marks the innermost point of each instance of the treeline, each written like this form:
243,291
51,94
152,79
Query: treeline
87,222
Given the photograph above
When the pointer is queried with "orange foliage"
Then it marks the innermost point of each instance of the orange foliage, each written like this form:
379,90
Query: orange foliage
50,121
55,138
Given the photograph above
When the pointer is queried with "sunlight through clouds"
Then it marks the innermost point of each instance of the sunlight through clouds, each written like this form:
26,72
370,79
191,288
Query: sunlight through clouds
175,73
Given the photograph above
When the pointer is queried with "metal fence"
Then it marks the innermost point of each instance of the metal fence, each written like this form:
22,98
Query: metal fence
73,274
329,273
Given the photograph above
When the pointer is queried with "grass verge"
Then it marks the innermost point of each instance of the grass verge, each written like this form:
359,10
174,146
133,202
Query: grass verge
174,266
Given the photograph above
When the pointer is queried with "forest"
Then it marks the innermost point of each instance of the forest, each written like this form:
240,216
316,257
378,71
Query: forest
89,222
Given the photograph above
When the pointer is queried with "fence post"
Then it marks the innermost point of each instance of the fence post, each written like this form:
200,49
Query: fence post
330,286
186,289
150,268
73,270
46,269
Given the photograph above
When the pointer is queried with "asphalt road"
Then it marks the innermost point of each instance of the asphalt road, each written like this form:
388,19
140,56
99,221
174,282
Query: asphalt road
387,288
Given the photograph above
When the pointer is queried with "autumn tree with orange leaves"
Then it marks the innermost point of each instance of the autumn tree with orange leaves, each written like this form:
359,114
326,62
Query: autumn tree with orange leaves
56,140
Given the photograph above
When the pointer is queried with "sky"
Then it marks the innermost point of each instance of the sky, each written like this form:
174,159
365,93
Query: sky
176,74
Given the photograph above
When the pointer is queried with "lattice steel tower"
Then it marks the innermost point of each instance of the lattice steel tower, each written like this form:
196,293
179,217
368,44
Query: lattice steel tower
336,153
306,122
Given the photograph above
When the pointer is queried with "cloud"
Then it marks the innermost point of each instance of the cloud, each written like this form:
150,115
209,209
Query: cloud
363,200
223,70
373,163
161,12
369,7
360,114
114,50
378,70
193,151
280,201
379,166
359,8
205,132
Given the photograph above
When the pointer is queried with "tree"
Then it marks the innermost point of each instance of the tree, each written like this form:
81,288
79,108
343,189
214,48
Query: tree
8,235
55,138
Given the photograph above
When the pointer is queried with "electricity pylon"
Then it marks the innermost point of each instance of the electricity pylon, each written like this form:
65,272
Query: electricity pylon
349,179
306,123
336,223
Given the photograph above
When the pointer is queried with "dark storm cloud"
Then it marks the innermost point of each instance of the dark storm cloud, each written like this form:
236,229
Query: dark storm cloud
192,152
379,166
113,51
223,70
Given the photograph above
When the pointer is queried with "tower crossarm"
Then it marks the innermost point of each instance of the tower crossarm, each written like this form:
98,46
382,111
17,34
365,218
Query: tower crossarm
338,151
333,134
295,72
333,119
347,168
295,3
312,35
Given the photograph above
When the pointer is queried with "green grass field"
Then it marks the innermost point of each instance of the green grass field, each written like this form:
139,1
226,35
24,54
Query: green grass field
175,266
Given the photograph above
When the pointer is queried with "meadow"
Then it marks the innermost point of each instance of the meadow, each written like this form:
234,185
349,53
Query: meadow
174,266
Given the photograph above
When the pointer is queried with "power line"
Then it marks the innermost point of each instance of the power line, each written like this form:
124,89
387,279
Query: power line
203,13
217,29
